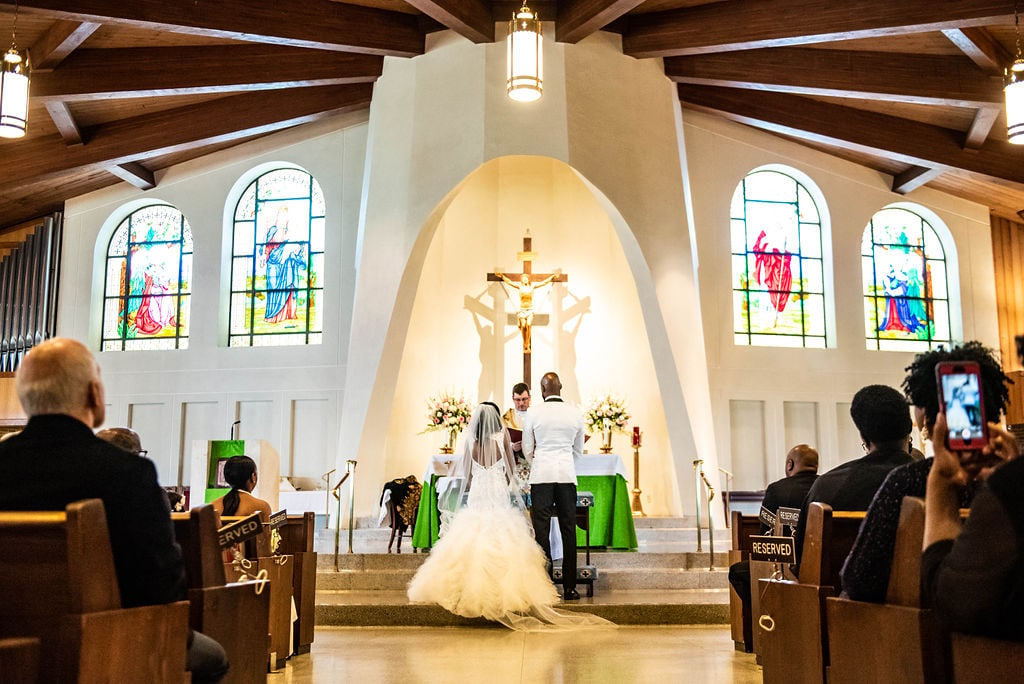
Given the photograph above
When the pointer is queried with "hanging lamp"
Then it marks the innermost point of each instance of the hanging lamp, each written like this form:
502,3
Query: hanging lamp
14,75
1014,90
525,60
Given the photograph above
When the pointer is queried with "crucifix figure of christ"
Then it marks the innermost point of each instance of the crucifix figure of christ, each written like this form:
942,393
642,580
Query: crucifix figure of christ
526,283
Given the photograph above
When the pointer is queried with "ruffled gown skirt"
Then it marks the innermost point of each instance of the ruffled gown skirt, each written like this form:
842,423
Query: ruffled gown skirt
487,564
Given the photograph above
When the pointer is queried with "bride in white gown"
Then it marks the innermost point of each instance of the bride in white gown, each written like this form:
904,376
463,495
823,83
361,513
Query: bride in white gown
486,563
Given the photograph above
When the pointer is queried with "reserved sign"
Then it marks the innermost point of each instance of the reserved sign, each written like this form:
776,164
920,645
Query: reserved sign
789,517
278,519
238,532
767,518
772,549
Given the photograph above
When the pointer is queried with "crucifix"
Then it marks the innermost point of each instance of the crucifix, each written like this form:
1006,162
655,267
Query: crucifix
526,283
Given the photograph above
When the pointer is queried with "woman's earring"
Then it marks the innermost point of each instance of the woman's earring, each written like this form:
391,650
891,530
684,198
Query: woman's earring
864,446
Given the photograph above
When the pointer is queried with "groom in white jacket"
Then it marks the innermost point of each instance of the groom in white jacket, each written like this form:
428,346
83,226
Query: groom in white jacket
552,440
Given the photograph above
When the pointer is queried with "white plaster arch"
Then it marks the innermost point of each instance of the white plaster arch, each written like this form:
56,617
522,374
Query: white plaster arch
621,132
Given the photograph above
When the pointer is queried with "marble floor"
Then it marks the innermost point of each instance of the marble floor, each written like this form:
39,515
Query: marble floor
436,655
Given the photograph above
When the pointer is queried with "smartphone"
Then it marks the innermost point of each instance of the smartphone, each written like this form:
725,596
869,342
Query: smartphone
960,400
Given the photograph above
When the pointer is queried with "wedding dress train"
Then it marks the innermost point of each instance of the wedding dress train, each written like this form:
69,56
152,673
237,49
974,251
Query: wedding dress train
487,564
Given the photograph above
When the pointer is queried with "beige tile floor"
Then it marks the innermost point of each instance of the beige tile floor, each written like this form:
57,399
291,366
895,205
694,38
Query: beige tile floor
437,655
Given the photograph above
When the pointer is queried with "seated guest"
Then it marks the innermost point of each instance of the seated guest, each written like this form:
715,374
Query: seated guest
240,473
129,440
882,418
57,460
865,574
971,575
789,492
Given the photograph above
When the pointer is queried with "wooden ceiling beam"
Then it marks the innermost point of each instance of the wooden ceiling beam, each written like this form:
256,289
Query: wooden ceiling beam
913,178
981,47
923,79
981,126
321,24
577,19
729,26
151,72
223,120
909,142
65,122
471,19
134,173
59,41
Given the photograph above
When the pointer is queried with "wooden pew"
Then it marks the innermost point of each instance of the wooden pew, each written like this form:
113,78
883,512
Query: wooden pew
60,586
19,660
279,570
792,621
980,660
862,635
236,615
743,527
297,538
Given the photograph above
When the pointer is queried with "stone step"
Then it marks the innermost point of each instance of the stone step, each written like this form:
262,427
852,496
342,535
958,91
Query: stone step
639,607
607,579
383,572
375,562
656,539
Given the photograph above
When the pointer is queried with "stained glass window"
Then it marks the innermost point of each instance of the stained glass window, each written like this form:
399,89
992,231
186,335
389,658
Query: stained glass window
277,262
906,295
147,283
777,264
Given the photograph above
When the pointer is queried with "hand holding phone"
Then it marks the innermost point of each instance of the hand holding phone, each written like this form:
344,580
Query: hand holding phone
960,401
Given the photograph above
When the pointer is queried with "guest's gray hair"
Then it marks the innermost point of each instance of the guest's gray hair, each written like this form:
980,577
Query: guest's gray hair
54,377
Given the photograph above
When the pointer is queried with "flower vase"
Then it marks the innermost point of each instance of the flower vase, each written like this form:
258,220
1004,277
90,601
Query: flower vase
449,448
606,440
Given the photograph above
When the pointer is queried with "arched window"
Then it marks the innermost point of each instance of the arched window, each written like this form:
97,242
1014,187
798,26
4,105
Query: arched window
906,289
777,263
146,288
277,261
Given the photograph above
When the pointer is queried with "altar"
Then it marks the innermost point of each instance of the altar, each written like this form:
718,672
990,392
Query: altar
611,520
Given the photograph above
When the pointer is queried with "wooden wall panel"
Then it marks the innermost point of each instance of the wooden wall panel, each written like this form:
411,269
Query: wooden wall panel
1008,257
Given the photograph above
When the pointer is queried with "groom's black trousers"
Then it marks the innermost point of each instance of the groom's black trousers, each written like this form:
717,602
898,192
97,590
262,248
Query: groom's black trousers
556,498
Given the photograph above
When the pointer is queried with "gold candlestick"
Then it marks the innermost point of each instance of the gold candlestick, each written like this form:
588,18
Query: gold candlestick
638,509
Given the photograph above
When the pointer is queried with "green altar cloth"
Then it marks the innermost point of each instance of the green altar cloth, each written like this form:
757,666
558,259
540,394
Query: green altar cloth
611,520
428,522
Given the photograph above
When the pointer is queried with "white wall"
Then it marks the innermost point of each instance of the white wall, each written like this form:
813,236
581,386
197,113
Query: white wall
767,399
290,396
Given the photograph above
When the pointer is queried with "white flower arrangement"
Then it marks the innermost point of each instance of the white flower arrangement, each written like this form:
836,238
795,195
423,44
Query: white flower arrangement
606,413
449,412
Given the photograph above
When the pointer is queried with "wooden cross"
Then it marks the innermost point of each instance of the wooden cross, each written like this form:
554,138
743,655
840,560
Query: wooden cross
526,283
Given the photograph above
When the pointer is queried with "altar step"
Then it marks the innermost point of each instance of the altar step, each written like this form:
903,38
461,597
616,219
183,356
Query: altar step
654,535
616,571
638,607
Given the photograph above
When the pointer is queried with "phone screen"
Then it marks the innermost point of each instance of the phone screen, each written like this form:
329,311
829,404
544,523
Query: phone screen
961,398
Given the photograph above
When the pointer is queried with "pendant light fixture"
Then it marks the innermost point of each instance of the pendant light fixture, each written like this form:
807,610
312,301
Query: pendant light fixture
14,74
1014,89
525,60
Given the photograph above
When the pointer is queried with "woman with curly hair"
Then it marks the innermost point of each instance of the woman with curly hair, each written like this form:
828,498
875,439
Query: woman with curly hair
865,575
